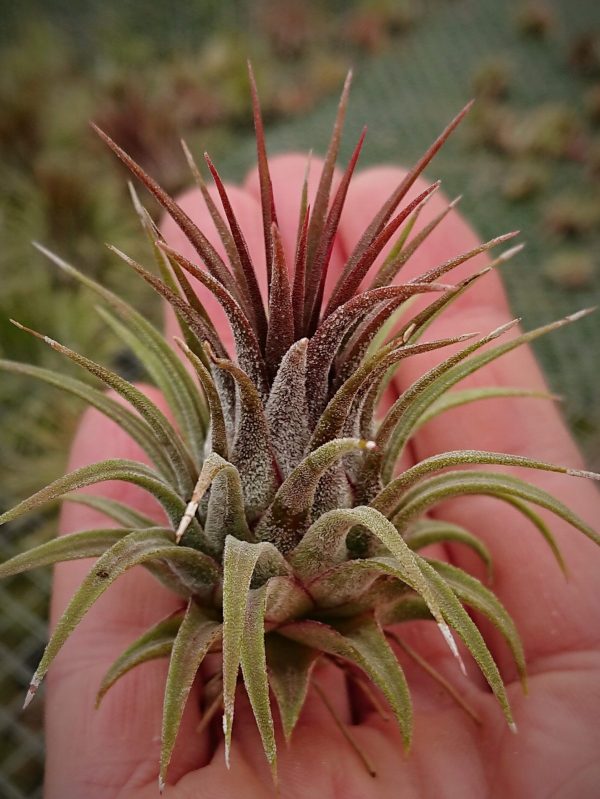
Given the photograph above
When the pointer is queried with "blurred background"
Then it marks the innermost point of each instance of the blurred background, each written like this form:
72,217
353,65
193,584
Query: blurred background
528,157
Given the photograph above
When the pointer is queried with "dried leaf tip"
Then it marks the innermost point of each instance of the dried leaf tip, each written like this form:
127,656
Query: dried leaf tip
583,473
574,317
46,339
511,252
31,691
450,640
499,331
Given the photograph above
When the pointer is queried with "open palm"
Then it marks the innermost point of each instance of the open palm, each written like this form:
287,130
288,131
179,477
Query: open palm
114,751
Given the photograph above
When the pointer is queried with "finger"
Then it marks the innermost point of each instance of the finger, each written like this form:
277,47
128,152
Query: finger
95,753
549,613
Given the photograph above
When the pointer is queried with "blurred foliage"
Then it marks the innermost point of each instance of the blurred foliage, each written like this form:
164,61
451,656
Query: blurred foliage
529,157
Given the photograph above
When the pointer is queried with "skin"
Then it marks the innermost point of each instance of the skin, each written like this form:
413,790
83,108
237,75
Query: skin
114,751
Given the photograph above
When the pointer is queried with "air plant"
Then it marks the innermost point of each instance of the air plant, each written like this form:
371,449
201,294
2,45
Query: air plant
288,532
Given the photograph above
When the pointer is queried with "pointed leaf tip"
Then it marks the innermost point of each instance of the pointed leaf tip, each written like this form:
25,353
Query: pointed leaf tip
31,691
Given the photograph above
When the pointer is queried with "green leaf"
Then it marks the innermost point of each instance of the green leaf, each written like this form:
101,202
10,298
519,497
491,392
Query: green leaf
157,642
287,517
543,528
195,636
136,548
254,669
408,409
430,531
409,608
456,399
153,352
226,511
290,665
165,433
115,469
320,549
361,642
189,309
398,423
471,592
86,544
121,513
173,380
389,498
218,423
239,561
460,620
131,423
454,484
373,369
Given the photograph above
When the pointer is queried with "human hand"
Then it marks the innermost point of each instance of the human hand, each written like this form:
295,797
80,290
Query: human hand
114,751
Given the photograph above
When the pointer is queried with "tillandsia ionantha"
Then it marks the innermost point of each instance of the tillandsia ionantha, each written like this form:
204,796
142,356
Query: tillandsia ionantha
289,533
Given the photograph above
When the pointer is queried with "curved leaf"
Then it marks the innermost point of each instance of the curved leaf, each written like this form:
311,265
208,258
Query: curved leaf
195,636
136,548
320,547
430,531
157,642
286,519
363,643
131,423
239,561
471,592
229,501
254,670
456,399
405,413
115,469
183,464
454,484
218,424
388,499
86,544
121,513
152,351
289,665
